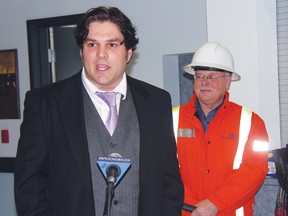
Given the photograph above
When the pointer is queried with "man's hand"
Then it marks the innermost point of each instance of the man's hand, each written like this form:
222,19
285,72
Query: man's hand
205,208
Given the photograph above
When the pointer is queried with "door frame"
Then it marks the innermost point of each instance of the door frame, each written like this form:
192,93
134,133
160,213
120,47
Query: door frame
38,43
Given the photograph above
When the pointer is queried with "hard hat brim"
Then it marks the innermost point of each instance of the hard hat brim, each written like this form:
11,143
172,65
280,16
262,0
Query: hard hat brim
190,69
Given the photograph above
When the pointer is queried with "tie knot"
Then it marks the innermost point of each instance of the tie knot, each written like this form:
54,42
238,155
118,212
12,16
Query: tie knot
108,97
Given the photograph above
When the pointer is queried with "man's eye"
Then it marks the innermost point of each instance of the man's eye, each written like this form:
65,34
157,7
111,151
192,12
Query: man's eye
213,77
91,45
199,76
113,44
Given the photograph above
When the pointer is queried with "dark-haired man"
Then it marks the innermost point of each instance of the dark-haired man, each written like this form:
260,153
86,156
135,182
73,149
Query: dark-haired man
63,133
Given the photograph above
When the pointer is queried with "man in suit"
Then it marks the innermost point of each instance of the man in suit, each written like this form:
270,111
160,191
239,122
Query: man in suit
63,133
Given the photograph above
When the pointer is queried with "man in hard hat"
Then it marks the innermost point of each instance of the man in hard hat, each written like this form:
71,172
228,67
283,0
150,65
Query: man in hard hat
222,146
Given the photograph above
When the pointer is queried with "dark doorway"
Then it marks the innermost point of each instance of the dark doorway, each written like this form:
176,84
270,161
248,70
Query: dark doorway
53,53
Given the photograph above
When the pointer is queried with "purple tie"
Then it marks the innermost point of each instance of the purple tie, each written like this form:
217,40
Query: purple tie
110,99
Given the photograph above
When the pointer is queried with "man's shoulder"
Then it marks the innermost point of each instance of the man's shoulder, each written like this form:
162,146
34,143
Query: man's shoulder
56,88
145,86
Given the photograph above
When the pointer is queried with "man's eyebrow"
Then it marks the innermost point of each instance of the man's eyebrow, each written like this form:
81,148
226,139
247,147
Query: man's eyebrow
116,40
89,40
109,40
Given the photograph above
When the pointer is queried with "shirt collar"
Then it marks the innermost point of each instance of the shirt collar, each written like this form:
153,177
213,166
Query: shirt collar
205,120
91,88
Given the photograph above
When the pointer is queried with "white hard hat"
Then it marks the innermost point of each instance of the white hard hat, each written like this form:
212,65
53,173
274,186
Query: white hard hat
212,56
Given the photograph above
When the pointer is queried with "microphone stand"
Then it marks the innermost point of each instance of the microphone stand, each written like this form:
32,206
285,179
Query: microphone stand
109,197
112,173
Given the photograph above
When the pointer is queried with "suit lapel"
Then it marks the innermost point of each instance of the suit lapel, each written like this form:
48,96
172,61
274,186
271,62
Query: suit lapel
140,97
70,103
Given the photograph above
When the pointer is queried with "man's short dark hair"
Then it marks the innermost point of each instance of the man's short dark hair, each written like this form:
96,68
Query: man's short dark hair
103,14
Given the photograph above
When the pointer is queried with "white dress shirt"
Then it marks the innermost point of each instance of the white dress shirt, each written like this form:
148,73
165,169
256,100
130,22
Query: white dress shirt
100,105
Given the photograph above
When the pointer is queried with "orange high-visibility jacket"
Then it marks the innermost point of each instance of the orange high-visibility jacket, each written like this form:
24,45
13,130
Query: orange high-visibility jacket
215,165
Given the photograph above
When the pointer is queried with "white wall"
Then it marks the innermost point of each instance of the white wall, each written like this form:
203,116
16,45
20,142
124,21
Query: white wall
6,195
248,29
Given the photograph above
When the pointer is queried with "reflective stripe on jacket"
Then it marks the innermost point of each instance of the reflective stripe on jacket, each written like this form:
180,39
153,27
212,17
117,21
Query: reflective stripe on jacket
228,164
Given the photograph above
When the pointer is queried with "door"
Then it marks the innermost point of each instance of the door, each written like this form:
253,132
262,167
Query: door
53,52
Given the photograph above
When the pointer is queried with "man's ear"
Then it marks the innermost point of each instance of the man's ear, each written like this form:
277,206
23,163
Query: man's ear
129,55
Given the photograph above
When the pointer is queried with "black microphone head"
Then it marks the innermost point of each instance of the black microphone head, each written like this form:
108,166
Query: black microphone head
113,171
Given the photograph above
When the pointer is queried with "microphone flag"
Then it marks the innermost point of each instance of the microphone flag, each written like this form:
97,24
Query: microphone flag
121,163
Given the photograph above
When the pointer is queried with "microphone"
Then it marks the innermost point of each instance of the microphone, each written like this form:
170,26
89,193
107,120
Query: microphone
113,171
113,167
